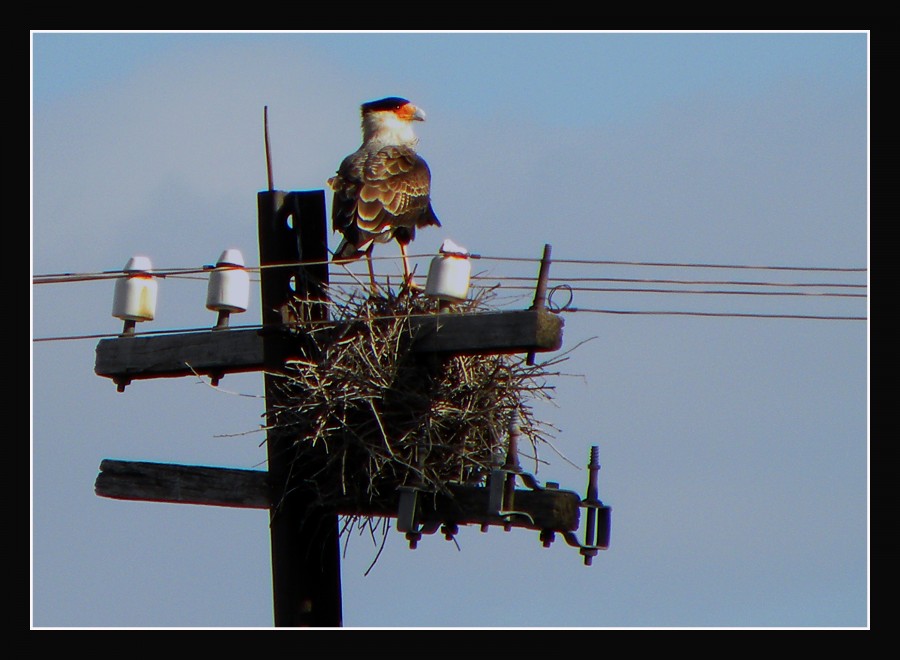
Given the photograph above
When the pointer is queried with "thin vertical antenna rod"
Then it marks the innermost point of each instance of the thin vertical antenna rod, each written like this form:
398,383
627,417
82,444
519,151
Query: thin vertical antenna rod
268,152
540,293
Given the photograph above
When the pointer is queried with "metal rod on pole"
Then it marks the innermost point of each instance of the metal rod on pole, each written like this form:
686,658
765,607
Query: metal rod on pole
268,151
540,293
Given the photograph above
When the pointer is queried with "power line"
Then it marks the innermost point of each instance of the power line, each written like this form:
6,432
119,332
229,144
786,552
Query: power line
600,262
507,283
55,278
721,292
719,314
501,279
671,281
147,333
566,310
584,289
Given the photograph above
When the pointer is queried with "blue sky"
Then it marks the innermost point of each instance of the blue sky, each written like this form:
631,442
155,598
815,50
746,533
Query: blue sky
734,449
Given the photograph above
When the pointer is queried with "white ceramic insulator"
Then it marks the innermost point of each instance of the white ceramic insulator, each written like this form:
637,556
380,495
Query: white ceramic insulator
229,288
448,277
134,298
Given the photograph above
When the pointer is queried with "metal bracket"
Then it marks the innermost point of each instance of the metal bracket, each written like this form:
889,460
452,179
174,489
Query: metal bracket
598,518
407,517
501,494
501,487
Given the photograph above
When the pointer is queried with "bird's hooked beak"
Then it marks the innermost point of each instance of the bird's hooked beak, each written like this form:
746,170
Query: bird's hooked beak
410,112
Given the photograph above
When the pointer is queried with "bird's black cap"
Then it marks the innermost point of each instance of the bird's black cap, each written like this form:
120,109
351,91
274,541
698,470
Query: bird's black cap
389,103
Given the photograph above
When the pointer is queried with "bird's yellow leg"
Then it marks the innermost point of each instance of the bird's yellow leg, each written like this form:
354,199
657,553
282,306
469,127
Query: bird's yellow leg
371,270
407,273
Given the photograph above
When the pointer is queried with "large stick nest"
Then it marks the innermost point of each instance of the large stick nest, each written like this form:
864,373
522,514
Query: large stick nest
366,415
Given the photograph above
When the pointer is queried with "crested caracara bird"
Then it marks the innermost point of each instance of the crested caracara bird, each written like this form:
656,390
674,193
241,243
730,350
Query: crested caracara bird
382,190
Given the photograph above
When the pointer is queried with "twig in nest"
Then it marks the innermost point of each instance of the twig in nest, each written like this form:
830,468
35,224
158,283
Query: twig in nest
387,417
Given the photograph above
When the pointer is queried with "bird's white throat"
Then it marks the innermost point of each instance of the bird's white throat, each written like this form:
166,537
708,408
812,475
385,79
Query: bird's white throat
381,129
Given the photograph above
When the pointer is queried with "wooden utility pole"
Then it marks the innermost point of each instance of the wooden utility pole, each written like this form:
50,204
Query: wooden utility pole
306,574
304,532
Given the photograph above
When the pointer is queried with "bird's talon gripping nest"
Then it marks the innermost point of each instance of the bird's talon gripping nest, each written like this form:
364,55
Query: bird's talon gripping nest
412,288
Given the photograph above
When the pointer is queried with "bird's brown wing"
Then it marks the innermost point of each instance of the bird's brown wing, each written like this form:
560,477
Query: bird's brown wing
379,196
395,191
346,184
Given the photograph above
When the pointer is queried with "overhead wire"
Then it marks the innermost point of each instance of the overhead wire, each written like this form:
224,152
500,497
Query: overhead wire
811,317
54,278
197,330
339,280
571,284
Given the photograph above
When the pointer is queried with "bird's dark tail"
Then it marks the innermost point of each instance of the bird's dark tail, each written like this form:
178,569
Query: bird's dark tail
429,218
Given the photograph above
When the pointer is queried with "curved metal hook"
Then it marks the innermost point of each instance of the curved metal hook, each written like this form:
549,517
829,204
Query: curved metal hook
556,308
